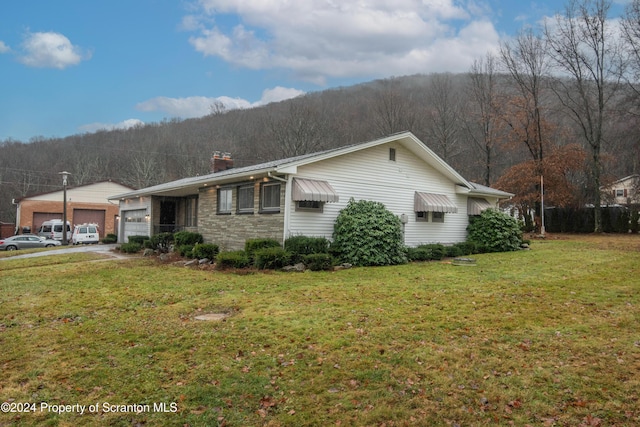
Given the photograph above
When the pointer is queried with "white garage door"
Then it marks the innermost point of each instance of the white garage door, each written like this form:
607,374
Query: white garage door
135,223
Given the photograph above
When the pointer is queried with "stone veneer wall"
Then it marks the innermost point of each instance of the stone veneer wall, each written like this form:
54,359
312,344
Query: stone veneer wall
231,231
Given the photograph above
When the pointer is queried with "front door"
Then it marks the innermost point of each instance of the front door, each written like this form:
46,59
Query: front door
167,216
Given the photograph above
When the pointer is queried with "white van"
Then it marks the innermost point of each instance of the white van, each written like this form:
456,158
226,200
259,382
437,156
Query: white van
85,233
52,229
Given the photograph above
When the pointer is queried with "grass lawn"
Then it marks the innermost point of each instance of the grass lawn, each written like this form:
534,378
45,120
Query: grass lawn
547,337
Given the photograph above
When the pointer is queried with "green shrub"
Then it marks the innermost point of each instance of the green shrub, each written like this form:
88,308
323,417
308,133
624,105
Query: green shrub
427,252
110,238
494,231
187,238
467,248
366,233
438,251
186,251
419,254
305,245
161,241
205,250
318,262
138,239
131,248
271,258
453,251
252,245
232,259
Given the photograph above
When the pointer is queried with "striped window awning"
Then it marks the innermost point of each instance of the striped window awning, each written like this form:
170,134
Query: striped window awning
430,202
311,190
475,206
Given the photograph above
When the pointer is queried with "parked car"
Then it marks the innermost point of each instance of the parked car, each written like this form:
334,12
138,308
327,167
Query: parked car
26,241
52,229
85,233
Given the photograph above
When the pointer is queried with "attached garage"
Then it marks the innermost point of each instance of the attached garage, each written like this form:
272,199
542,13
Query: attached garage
90,216
135,224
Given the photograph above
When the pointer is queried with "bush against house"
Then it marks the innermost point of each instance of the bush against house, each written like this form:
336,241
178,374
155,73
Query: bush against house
366,233
494,231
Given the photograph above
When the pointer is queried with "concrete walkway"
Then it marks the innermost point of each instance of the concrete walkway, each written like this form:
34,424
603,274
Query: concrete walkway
99,248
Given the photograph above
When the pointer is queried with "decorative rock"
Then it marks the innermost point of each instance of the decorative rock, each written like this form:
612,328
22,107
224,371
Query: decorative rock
464,261
190,263
297,267
148,252
212,316
164,257
204,261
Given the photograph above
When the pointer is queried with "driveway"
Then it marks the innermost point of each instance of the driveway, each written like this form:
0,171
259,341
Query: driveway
100,248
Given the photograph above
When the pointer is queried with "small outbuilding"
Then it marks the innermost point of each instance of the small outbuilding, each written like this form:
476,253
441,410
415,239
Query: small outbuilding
85,204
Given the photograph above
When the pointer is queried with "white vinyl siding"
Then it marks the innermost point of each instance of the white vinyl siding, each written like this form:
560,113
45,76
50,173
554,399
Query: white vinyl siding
369,175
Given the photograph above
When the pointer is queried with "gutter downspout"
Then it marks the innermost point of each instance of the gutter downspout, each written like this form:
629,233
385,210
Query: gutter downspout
287,202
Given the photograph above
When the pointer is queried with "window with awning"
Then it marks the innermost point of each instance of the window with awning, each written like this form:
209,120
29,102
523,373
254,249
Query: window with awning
475,205
431,202
311,190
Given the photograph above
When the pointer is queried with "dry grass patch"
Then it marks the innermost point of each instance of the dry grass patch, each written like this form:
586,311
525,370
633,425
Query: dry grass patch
543,337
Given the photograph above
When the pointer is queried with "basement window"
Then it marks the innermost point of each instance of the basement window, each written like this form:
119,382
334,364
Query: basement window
309,206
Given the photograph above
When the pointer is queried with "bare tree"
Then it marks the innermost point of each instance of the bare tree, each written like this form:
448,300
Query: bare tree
526,60
444,118
591,60
483,120
392,112
299,131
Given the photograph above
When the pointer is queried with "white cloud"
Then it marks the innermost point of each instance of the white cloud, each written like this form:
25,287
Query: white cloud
198,106
126,124
3,47
50,50
343,38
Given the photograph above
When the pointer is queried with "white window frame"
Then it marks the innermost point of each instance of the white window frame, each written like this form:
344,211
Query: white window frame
245,209
225,200
269,208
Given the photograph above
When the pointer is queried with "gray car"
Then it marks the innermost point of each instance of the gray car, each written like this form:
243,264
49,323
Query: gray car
26,241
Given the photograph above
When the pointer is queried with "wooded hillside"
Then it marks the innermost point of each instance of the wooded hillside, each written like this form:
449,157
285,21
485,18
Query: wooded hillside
559,103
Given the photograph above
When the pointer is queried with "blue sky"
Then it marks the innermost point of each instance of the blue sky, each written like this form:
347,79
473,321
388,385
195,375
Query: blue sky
75,66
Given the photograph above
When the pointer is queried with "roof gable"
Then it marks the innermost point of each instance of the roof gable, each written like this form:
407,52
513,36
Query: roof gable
290,165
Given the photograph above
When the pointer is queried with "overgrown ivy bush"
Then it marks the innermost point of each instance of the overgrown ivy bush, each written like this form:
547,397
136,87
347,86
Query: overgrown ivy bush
494,231
187,238
232,259
366,234
205,250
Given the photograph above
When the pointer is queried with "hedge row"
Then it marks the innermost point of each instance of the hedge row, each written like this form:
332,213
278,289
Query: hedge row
615,219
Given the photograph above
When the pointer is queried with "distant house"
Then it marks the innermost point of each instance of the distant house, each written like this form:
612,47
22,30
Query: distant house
303,196
85,204
625,191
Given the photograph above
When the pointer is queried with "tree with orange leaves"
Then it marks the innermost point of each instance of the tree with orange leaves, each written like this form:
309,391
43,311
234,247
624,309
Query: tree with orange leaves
523,179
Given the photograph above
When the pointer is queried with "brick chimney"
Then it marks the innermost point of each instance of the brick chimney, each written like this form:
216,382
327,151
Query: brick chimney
221,162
